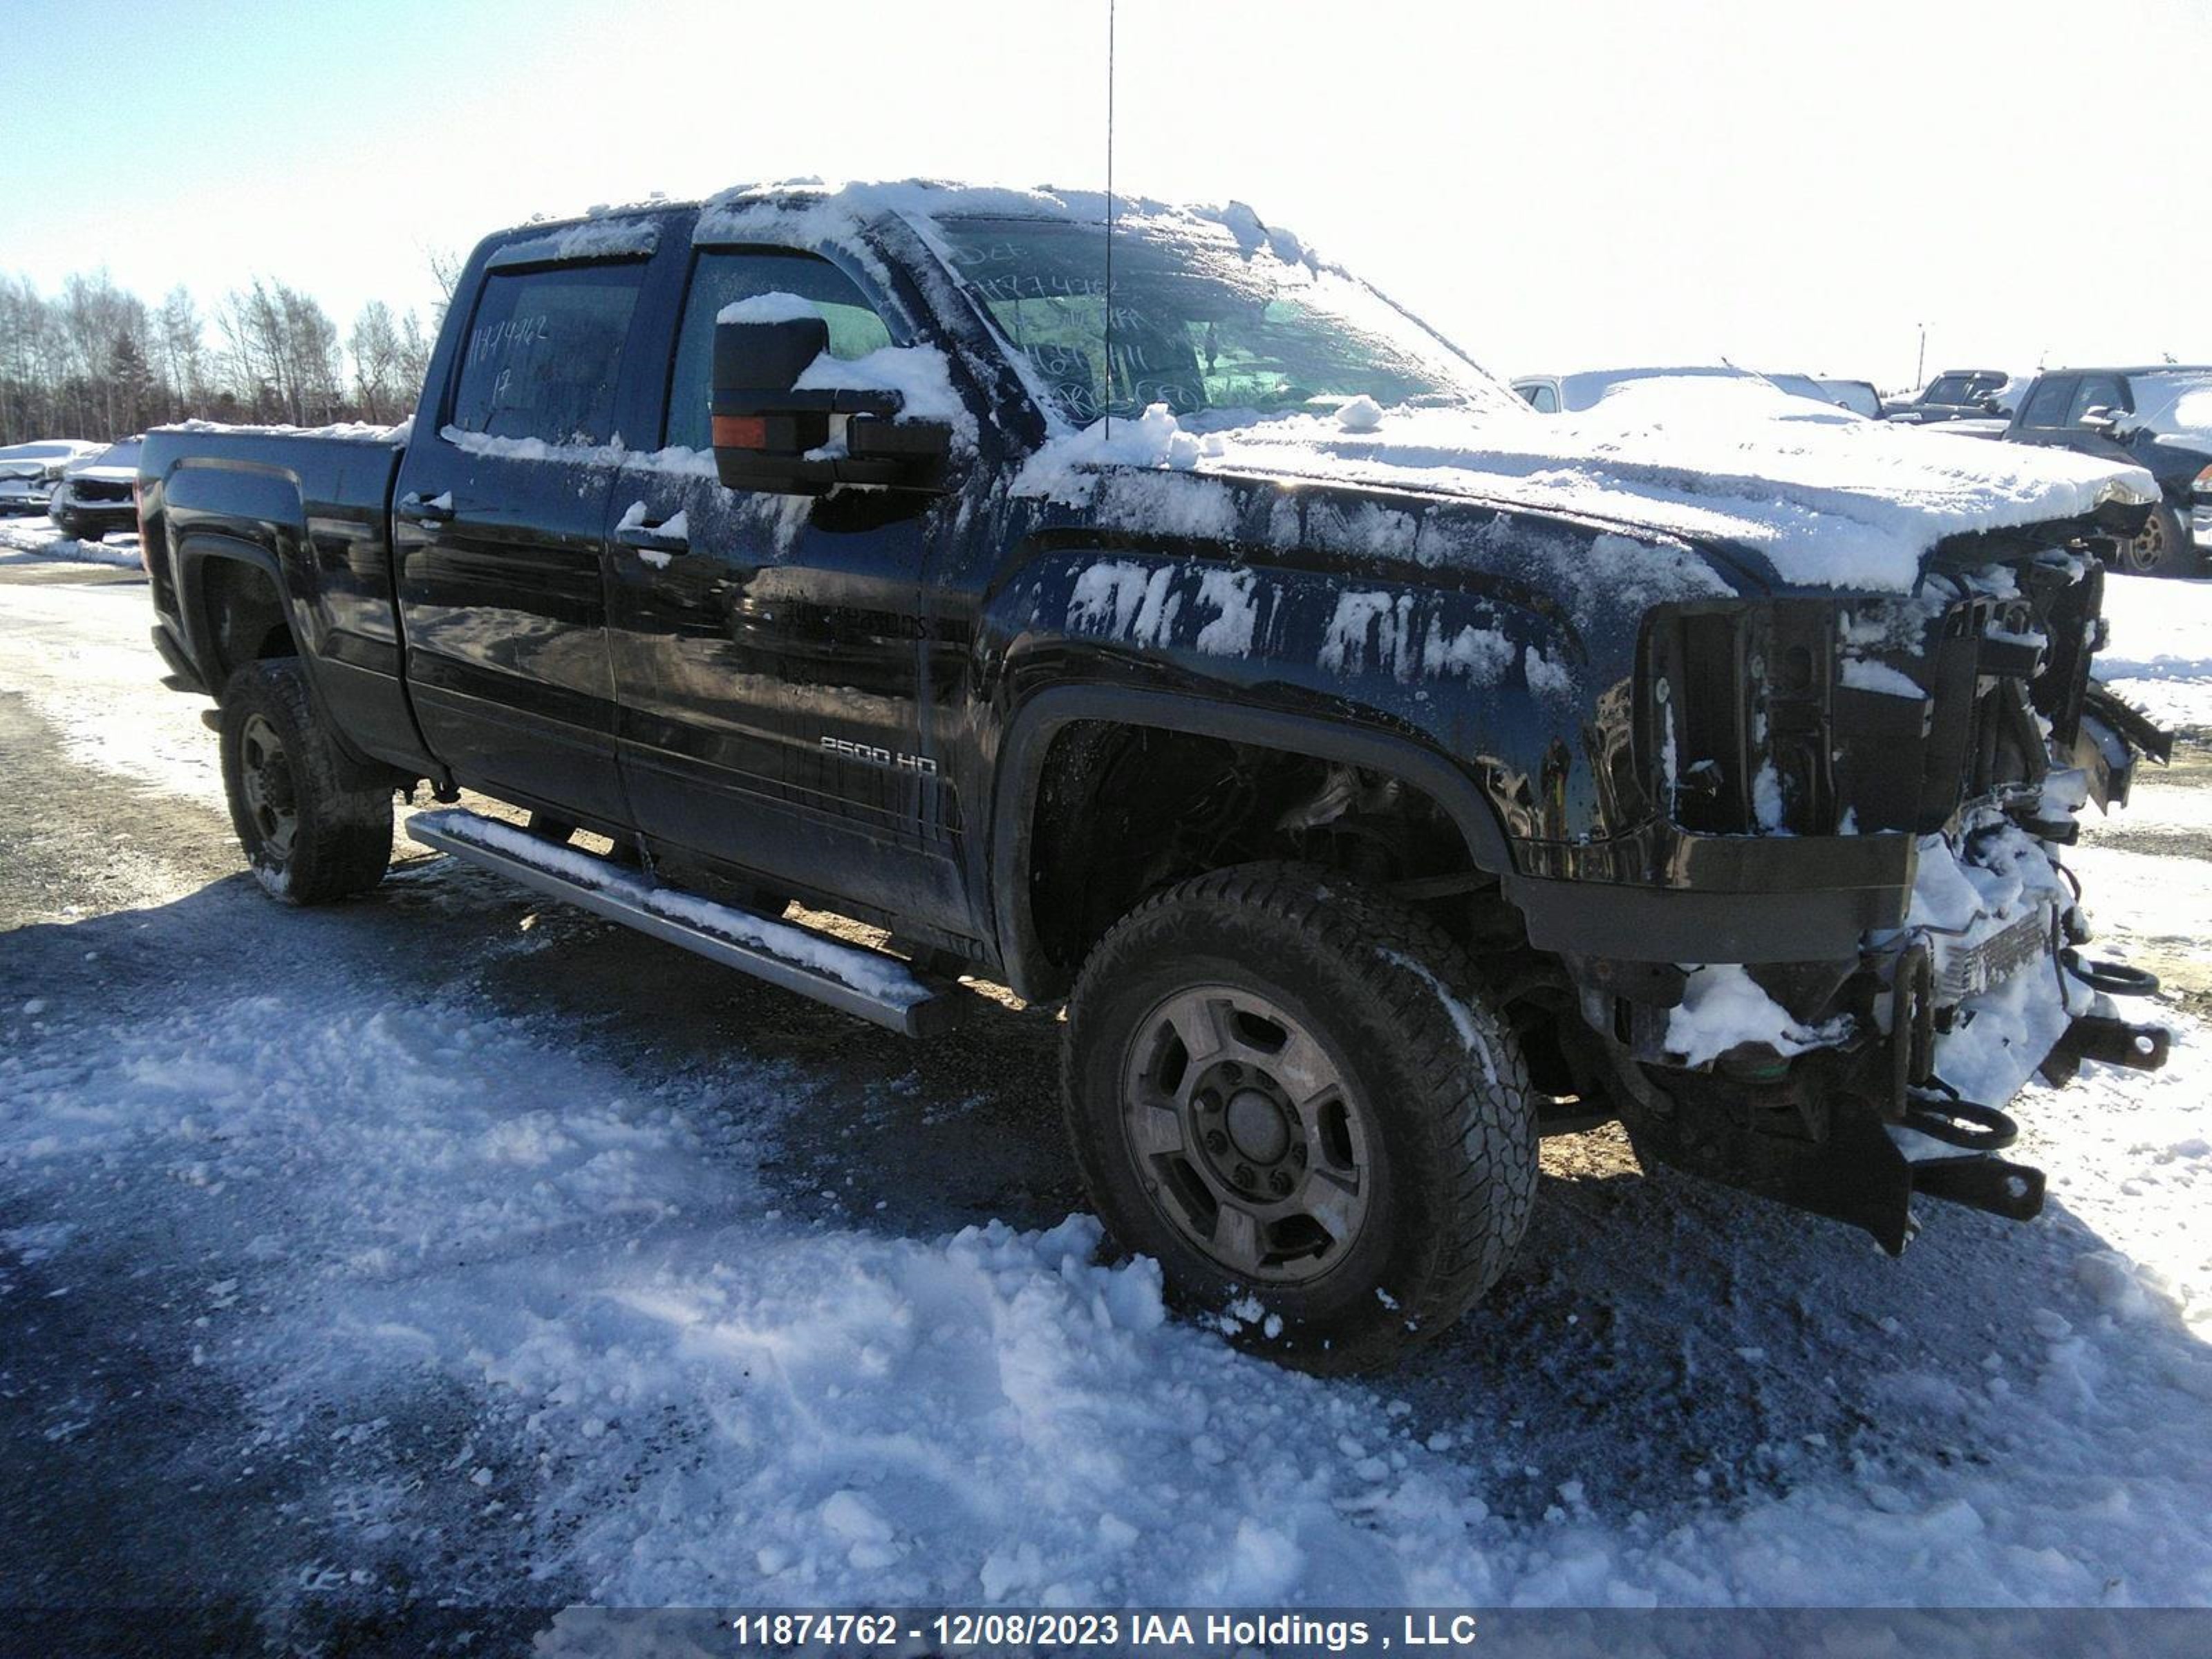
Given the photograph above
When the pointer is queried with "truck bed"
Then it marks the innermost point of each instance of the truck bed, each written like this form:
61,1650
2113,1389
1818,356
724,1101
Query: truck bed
311,509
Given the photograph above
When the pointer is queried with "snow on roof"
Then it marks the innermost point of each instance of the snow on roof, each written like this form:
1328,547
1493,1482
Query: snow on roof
831,210
364,432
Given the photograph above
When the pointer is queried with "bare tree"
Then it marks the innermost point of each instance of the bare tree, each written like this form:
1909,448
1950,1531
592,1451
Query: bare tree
93,361
281,352
181,350
374,346
415,344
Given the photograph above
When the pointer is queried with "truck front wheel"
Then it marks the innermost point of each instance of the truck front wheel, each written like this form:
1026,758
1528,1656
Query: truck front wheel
1283,1088
313,827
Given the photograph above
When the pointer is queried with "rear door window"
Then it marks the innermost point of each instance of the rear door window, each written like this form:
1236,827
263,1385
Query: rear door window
544,352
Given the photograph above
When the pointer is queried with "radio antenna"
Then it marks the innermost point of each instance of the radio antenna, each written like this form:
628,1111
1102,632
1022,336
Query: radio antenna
1110,218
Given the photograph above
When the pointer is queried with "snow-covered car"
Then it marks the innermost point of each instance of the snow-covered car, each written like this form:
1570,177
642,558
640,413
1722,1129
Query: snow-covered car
94,496
1553,394
1556,394
29,472
1382,774
1805,386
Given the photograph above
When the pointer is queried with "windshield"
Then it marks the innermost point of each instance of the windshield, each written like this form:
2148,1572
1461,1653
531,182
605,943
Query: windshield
120,454
2179,403
1201,321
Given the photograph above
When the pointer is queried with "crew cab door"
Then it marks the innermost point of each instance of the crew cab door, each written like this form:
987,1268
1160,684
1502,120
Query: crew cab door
500,518
766,647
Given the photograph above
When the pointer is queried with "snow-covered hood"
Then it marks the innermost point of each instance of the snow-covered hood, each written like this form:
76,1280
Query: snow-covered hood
101,475
1829,500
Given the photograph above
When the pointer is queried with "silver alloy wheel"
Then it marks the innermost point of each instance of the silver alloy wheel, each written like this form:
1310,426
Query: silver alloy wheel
1246,1135
264,777
2145,552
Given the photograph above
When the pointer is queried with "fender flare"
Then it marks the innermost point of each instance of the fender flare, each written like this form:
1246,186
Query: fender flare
1041,718
196,550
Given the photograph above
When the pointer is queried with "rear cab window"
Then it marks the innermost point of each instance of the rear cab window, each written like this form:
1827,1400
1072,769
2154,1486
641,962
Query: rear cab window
544,351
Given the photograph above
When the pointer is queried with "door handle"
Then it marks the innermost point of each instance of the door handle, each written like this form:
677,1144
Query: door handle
652,538
437,510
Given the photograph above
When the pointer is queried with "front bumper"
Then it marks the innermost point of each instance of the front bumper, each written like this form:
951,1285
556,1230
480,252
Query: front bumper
105,516
1742,899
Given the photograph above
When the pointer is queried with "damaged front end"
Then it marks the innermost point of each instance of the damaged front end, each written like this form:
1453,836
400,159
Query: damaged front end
1961,726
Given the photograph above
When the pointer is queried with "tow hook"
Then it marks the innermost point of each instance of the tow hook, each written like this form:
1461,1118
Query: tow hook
2116,1042
1965,1124
2114,978
2012,1190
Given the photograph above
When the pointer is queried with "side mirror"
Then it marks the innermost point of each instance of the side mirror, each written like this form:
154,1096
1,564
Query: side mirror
2101,421
770,436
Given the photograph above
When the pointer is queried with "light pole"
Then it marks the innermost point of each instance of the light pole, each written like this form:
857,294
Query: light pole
1920,368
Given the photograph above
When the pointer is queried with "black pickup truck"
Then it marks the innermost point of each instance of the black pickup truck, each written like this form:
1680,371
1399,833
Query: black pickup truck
1384,776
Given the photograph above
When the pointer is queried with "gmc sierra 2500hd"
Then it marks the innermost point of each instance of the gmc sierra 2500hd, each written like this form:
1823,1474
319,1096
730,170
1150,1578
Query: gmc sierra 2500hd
1384,775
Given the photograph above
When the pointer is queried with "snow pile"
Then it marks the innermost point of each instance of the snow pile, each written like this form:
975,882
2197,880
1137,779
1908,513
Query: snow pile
598,236
918,374
361,431
1828,499
1722,1006
777,307
1361,414
37,538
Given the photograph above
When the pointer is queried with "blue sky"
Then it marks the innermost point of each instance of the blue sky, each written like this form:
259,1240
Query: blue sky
1564,185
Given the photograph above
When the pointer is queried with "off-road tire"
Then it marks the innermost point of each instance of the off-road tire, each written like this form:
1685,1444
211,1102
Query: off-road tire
339,815
1434,1076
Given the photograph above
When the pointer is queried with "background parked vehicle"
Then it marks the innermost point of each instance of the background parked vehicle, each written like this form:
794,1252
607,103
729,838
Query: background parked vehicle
94,496
29,472
1553,394
2158,418
1961,394
1858,396
1805,386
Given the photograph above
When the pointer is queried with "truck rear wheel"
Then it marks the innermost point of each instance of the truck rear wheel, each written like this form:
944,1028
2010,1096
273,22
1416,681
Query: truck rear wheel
1282,1087
313,827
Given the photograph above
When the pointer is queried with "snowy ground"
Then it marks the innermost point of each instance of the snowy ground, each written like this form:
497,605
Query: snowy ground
448,1245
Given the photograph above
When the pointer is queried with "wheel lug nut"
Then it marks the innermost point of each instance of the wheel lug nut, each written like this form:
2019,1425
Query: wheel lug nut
1217,1142
1280,1180
1244,1176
